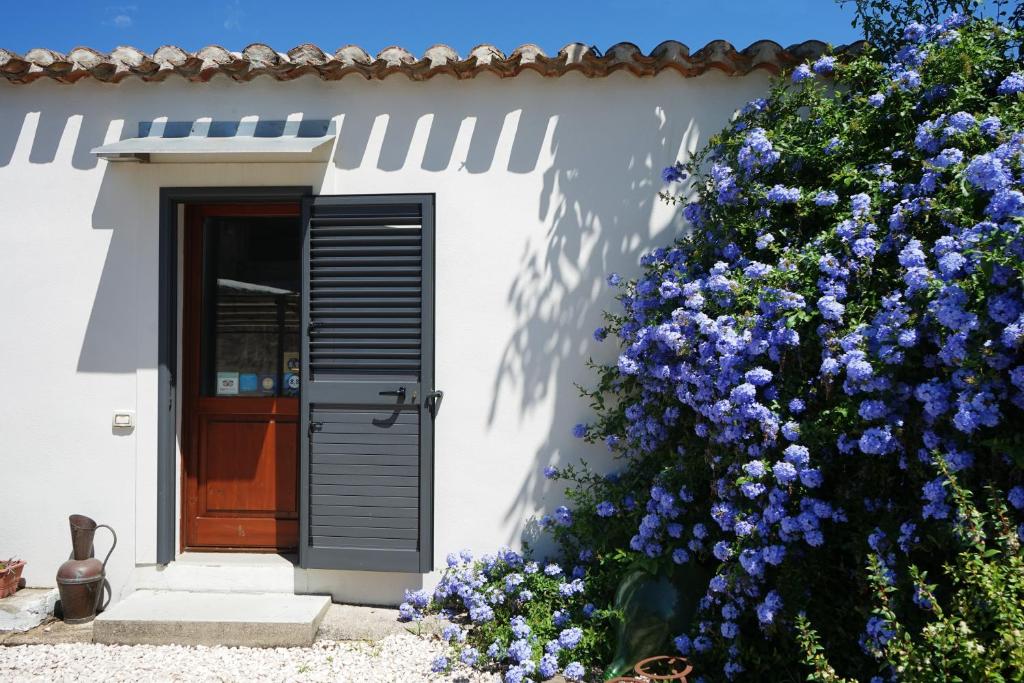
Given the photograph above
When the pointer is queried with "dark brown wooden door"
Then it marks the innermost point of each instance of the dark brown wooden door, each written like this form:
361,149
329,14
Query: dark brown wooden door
240,357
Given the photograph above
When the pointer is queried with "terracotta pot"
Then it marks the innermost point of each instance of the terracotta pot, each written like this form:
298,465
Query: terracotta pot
10,578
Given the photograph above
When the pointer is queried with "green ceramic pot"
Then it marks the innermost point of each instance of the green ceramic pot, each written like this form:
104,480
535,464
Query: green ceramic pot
655,609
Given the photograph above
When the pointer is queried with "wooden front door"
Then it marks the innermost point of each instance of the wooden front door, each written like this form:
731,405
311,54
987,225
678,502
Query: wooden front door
240,362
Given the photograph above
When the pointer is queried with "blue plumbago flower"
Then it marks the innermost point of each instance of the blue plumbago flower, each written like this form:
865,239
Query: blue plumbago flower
961,121
579,431
606,509
439,664
669,289
548,666
876,100
826,198
520,629
550,472
830,308
780,194
729,629
948,157
481,614
757,152
614,279
784,473
861,204
764,241
570,637
574,671
407,612
722,551
915,32
1016,497
824,66
469,656
563,516
673,173
520,651
990,126
767,609
801,73
1012,84
987,172
552,570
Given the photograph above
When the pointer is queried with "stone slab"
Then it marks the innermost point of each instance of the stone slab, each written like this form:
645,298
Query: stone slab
50,632
353,622
189,618
27,608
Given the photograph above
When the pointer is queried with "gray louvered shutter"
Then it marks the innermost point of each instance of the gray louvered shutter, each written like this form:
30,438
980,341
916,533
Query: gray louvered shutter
367,356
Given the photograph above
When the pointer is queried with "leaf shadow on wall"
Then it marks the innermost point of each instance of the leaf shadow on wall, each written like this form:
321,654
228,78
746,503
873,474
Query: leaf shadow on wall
600,219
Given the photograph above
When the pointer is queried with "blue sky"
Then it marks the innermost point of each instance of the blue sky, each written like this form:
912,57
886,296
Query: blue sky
416,24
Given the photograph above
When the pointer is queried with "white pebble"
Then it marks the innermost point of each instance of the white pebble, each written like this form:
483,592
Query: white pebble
397,658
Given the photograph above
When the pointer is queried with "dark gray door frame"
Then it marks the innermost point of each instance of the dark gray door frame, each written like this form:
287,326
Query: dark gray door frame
167,353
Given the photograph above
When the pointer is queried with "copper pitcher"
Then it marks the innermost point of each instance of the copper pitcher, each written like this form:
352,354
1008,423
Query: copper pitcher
81,579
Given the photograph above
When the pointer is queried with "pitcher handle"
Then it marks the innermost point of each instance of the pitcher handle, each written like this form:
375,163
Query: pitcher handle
112,545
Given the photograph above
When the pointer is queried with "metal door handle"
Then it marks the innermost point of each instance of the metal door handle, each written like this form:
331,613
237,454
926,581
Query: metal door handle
433,401
400,394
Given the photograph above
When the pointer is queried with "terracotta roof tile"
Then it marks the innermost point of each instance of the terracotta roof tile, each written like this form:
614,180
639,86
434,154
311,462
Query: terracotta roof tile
258,59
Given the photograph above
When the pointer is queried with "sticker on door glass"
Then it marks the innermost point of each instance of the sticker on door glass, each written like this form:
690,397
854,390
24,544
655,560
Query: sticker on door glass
267,384
248,383
291,384
227,383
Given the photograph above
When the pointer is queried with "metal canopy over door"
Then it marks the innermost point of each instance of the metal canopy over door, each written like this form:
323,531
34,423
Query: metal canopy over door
367,400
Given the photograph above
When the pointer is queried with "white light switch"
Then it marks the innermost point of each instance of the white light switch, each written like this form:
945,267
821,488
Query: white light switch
124,419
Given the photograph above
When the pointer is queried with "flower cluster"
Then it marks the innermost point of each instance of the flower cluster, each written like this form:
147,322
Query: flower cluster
490,605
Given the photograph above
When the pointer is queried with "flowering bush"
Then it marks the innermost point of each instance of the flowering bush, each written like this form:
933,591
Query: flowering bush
506,609
812,382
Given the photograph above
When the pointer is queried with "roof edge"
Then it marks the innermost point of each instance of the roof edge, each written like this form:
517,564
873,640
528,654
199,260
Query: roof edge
258,59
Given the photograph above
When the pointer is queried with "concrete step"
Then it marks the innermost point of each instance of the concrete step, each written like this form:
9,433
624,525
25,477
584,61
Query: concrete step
148,617
222,573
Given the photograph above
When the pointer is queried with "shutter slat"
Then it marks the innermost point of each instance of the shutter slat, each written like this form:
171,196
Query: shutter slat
366,521
382,261
368,470
362,512
344,415
347,458
411,492
364,532
320,447
366,341
369,500
375,543
376,439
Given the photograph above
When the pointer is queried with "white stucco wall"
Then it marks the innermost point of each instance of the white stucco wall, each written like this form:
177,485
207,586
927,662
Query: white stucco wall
543,186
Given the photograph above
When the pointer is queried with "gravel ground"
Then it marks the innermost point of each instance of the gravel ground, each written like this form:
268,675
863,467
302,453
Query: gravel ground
397,658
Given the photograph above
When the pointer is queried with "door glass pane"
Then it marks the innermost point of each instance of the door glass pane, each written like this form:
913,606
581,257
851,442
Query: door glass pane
250,323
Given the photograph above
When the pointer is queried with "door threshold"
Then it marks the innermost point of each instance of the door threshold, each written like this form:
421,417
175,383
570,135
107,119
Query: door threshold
202,572
235,558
